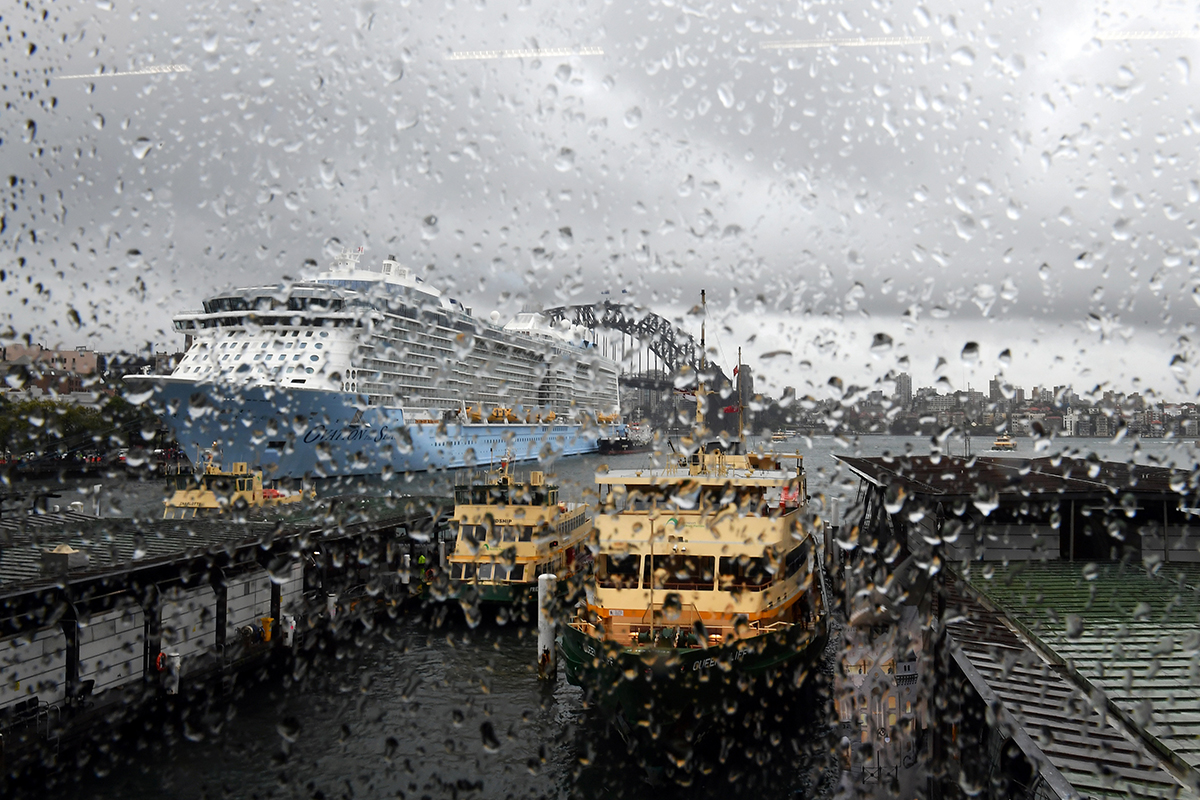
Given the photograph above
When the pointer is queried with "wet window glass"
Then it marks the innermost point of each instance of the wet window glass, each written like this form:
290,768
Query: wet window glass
598,400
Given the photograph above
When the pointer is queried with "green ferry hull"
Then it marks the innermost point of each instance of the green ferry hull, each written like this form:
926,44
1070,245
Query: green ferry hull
664,687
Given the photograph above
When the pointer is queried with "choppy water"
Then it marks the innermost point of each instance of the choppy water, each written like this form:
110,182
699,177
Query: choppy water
417,708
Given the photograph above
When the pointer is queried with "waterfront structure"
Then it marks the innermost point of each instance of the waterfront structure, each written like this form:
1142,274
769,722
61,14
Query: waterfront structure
363,370
1059,608
149,608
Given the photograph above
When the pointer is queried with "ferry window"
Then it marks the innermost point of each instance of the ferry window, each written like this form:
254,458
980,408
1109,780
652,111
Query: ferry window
618,571
680,572
508,534
526,533
485,572
797,558
744,572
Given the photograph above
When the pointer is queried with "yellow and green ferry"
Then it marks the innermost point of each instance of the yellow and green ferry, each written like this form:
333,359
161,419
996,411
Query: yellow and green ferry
510,531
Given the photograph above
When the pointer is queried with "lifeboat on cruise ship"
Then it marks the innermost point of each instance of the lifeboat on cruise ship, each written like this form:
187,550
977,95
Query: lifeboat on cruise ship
501,414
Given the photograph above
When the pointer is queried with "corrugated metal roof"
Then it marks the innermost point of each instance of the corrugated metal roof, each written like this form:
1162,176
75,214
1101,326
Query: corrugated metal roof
1080,740
1120,641
124,543
948,476
1130,635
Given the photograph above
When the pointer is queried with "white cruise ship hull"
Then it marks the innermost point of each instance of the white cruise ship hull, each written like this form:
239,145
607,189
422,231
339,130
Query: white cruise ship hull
295,433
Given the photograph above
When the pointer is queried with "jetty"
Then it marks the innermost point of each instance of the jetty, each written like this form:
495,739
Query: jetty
104,615
1050,605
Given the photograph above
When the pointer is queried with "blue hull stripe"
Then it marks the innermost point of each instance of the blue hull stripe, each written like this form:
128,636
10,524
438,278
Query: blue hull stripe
294,433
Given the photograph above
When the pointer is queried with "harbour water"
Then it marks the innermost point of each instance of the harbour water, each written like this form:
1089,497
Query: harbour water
425,706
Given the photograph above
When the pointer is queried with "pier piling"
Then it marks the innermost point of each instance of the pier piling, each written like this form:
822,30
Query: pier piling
547,657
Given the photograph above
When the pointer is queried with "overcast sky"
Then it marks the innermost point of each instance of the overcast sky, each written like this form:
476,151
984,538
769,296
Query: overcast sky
1020,176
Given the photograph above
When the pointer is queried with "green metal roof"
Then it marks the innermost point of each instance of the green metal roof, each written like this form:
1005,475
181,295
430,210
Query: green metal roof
1128,639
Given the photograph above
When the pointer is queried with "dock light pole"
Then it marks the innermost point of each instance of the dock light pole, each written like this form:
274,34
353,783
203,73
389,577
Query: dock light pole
547,657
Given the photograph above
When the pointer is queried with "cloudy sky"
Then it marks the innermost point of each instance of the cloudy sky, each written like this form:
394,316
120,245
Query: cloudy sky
1020,176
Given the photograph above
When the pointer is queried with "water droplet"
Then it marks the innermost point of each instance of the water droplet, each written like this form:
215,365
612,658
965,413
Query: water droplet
565,161
683,23
725,94
210,41
963,56
141,147
1121,231
429,227
882,343
633,117
488,734
964,226
685,189
970,353
1185,69
98,122
565,239
563,73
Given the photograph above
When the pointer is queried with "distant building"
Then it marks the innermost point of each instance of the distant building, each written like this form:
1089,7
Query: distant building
995,395
59,371
904,390
80,361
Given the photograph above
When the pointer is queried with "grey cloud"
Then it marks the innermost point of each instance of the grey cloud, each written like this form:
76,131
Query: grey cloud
934,179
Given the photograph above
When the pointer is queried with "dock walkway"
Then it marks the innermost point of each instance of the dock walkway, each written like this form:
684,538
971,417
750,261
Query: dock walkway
101,613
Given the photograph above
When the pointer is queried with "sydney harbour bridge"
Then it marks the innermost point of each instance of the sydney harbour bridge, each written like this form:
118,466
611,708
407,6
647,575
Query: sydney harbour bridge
655,356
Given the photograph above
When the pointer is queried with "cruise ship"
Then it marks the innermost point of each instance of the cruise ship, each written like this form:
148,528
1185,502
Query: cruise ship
361,371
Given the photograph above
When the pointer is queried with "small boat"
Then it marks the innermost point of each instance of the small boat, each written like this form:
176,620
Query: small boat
634,439
509,532
1004,442
214,491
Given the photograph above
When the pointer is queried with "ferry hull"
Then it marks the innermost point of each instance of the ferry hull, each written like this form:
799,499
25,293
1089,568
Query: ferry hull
304,433
668,688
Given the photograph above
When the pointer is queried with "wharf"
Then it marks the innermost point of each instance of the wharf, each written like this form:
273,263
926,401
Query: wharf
116,613
1057,604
